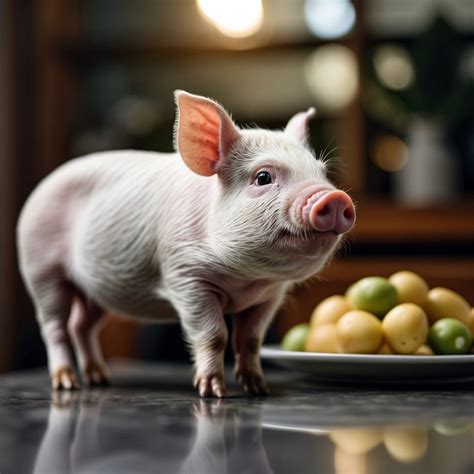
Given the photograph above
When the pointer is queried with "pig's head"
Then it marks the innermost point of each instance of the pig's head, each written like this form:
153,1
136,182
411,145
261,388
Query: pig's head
275,214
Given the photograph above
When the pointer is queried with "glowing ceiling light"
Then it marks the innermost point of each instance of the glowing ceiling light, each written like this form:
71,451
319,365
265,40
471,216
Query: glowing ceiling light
332,77
234,18
393,66
329,19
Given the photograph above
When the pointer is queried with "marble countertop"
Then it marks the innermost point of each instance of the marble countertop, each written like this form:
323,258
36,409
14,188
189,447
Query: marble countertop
151,420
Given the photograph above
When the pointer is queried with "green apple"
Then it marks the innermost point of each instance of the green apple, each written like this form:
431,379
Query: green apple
451,429
449,336
373,294
295,338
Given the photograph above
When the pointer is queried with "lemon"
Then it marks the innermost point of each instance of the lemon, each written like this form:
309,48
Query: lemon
445,303
471,321
322,339
406,444
411,288
359,332
356,440
424,350
330,310
405,328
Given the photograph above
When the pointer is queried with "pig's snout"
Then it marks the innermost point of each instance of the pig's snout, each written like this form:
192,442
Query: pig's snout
330,210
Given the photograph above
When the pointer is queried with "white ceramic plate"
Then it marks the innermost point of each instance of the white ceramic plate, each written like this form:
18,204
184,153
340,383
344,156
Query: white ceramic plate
374,368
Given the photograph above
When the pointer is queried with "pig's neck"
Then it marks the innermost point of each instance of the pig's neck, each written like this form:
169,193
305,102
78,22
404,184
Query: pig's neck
193,255
236,294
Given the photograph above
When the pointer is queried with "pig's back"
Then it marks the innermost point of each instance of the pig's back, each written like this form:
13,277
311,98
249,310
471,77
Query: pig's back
100,217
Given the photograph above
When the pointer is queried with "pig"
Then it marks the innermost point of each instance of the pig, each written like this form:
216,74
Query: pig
227,224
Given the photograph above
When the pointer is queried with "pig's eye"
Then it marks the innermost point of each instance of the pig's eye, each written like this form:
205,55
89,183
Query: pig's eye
263,178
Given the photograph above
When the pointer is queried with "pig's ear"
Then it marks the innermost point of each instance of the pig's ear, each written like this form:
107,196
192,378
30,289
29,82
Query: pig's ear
297,127
204,132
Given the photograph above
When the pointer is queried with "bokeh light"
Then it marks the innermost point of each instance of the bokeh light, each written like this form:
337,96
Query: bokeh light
389,153
393,66
329,19
234,18
332,76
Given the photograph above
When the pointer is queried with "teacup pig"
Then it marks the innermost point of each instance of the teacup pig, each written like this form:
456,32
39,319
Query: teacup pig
225,225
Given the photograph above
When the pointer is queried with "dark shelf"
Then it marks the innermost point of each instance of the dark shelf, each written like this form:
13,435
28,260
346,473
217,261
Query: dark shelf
386,222
96,50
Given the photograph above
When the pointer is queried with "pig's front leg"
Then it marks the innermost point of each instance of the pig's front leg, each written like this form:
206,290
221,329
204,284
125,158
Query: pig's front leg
249,330
204,327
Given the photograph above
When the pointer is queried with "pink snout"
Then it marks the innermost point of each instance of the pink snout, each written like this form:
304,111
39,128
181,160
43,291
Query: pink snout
332,211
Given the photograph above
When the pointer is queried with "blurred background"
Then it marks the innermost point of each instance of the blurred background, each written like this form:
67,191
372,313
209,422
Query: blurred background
393,83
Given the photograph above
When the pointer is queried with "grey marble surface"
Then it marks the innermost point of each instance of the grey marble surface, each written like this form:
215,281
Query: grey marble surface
151,420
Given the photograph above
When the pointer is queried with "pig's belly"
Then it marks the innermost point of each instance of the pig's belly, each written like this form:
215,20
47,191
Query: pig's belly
145,307
132,292
115,248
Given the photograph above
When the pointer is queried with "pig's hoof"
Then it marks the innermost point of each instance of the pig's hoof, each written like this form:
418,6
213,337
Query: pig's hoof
210,385
94,376
64,379
252,382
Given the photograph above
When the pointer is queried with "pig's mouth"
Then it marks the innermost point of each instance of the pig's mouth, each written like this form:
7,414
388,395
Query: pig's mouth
306,238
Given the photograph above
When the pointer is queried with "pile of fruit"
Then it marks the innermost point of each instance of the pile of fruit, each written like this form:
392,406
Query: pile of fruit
398,315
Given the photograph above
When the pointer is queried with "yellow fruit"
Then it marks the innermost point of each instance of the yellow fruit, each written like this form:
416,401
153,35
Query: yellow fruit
359,332
425,350
443,303
322,339
405,328
411,288
330,310
406,444
356,440
345,462
385,350
471,322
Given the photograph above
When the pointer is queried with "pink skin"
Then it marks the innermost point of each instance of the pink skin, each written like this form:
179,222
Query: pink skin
322,208
330,211
319,214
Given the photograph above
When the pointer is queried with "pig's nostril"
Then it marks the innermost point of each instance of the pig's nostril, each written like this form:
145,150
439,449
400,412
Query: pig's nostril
323,211
332,211
347,214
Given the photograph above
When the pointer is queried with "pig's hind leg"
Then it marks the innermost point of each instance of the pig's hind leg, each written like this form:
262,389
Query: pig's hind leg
53,297
68,322
84,325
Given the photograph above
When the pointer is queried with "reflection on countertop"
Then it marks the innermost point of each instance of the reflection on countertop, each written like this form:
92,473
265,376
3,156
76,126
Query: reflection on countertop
152,421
